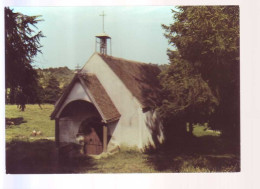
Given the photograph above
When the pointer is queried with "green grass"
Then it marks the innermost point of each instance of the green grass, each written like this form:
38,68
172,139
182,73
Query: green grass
126,161
207,151
201,130
34,118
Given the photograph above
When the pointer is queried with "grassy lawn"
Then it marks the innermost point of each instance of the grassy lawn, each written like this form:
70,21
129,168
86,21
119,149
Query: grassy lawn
33,118
207,151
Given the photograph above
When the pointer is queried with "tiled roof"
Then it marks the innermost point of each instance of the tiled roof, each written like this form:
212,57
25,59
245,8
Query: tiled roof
139,78
100,97
97,94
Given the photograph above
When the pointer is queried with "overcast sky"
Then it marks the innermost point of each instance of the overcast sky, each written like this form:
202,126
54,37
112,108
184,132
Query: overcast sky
136,33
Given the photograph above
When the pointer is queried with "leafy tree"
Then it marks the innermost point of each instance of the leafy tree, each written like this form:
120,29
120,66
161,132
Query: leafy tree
186,97
22,44
52,91
207,38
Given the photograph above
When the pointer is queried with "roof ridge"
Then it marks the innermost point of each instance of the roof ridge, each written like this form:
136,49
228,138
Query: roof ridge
128,60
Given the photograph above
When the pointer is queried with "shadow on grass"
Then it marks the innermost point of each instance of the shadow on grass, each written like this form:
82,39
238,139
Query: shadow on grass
189,154
196,154
42,156
14,121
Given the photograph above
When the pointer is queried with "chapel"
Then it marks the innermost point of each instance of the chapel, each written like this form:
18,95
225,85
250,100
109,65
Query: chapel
109,103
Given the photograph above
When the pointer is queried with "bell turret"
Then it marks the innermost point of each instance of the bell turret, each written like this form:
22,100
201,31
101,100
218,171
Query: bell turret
102,40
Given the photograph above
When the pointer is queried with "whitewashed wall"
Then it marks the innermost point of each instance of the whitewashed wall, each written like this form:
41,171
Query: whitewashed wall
127,130
133,128
77,93
152,129
69,127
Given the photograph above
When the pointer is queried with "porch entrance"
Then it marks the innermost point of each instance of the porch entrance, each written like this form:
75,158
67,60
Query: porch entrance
91,130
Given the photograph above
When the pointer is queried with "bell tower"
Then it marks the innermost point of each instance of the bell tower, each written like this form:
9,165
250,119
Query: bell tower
102,39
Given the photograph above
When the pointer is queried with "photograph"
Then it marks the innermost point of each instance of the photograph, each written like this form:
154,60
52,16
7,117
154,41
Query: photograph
122,89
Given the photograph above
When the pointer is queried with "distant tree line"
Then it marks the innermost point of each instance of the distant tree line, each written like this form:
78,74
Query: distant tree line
52,92
51,83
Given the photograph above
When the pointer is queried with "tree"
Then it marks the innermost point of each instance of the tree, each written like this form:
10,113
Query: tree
187,98
52,91
22,44
207,37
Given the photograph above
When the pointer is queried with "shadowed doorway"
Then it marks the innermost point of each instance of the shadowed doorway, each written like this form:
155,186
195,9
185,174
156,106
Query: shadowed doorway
80,123
91,133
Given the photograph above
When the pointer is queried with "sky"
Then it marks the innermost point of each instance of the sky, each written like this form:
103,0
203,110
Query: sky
70,32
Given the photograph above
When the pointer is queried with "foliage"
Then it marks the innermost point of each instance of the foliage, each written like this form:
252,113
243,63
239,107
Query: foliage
52,91
22,44
185,93
63,75
207,38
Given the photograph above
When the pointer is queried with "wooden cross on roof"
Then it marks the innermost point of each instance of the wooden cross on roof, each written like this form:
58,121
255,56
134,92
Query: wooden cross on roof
103,14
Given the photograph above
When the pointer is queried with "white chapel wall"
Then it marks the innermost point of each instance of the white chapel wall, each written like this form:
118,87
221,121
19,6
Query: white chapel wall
76,93
127,130
69,127
152,129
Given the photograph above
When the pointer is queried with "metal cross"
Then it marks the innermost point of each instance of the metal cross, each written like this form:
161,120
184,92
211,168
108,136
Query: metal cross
103,20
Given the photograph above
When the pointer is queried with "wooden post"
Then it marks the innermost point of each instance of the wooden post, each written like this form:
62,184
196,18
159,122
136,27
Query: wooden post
104,138
57,132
